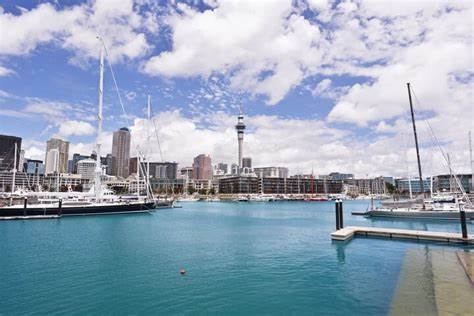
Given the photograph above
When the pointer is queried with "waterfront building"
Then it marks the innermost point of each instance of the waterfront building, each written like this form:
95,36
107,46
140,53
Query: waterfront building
448,183
403,186
121,153
22,180
240,127
239,184
340,176
63,181
59,157
277,185
369,186
202,167
86,168
7,152
271,172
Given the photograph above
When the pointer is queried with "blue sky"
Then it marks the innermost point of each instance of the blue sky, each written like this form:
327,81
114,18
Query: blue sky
322,82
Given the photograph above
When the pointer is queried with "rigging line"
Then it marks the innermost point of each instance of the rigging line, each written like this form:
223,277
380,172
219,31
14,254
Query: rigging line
458,182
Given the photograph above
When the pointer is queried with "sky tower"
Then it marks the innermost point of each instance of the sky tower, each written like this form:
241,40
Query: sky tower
240,127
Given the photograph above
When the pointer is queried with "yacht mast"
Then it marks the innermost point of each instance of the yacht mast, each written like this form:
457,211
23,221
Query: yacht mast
14,168
472,167
416,143
98,169
147,183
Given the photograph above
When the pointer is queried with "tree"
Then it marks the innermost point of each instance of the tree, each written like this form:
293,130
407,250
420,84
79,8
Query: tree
390,188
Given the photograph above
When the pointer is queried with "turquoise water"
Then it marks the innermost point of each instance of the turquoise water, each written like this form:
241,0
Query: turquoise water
241,258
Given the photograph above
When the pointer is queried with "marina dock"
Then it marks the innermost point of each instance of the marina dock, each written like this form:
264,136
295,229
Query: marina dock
349,232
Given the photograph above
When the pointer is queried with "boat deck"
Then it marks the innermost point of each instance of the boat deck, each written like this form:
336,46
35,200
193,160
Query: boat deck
349,232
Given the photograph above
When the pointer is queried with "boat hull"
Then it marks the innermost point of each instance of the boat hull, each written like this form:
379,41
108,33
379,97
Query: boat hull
83,210
450,215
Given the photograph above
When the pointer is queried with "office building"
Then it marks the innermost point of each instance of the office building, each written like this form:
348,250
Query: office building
186,172
247,162
58,152
35,167
75,159
202,167
121,153
86,168
52,161
403,185
222,168
7,152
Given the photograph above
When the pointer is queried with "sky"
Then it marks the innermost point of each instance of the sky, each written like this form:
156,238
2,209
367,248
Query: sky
322,83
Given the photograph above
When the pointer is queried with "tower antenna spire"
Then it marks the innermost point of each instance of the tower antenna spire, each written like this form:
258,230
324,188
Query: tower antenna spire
240,127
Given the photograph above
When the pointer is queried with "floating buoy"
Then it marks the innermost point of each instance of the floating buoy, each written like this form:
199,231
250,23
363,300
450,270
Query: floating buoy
182,272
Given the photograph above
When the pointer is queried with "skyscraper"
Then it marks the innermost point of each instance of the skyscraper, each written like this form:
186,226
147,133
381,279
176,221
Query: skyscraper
61,149
7,152
240,127
121,153
247,162
52,161
202,167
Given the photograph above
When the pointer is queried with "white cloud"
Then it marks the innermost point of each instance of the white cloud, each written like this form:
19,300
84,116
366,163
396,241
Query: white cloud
268,54
5,71
75,28
75,128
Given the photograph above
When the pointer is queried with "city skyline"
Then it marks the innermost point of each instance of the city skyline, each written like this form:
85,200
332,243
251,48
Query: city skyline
349,116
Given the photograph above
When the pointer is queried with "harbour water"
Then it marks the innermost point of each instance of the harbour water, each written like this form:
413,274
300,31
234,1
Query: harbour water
240,258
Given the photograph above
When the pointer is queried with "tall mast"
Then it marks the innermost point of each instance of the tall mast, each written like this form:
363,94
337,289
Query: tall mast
472,166
416,143
98,169
14,168
147,183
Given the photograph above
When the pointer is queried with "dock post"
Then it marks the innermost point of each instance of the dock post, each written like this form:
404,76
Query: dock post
25,203
60,209
341,215
462,214
337,215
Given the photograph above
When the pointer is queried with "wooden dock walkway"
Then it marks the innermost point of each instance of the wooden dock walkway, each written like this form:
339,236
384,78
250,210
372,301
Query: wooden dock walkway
351,231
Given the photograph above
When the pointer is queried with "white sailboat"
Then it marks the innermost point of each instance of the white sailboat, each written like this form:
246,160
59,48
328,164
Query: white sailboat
99,201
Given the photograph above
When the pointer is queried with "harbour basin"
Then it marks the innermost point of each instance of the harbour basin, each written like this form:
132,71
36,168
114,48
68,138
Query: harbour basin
240,258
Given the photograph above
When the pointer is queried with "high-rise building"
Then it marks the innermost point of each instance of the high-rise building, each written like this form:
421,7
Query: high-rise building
223,168
121,153
33,166
202,167
247,162
186,172
240,127
52,161
75,159
86,168
108,164
61,149
7,152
